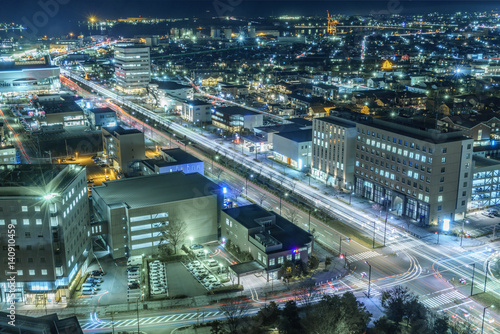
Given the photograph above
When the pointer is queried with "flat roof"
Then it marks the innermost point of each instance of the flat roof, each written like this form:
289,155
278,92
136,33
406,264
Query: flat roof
337,121
298,136
247,268
170,85
300,121
236,110
278,128
290,235
177,155
102,110
119,130
144,191
481,162
37,179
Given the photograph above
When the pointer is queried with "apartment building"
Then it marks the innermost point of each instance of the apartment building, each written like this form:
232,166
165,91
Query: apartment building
423,174
132,67
333,147
135,211
49,210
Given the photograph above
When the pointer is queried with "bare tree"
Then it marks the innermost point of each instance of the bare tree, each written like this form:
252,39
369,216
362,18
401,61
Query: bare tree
234,311
218,172
261,197
293,184
293,216
236,192
173,233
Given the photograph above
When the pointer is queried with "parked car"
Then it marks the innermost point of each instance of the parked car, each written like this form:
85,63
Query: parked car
91,180
133,268
196,246
134,285
213,263
97,273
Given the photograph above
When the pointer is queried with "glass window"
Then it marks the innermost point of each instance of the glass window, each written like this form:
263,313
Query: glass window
32,272
24,208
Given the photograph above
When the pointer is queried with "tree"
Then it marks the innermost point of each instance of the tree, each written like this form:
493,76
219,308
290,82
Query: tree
290,320
234,310
218,172
174,233
384,326
397,303
313,262
236,192
293,216
216,327
328,261
261,198
269,314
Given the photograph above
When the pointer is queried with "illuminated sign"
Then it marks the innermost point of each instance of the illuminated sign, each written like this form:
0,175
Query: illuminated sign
446,225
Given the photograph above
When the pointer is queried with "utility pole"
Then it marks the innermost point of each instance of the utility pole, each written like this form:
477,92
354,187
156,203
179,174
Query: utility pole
373,244
369,278
486,275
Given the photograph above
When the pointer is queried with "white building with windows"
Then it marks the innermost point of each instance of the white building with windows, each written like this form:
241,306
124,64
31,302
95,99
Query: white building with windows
132,67
47,206
137,211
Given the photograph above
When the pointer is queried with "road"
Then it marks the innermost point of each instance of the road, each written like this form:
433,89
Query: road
406,260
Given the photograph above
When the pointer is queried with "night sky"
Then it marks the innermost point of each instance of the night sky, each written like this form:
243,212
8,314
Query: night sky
71,11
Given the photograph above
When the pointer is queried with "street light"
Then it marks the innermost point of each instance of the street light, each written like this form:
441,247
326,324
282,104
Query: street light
369,278
206,252
246,184
191,238
373,244
386,213
472,283
286,194
484,313
220,268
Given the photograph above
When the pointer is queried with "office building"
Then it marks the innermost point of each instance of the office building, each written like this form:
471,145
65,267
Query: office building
333,149
173,160
485,190
102,117
122,147
293,148
197,112
132,67
8,155
135,211
267,236
55,109
419,173
49,207
47,324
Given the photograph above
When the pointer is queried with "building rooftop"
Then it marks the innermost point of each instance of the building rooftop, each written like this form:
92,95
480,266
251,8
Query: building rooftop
102,111
481,162
337,121
48,324
144,191
282,230
299,136
37,179
235,110
279,128
170,85
173,157
300,121
121,131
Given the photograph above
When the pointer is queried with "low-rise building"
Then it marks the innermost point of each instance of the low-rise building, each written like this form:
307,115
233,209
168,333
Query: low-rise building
8,155
293,148
136,212
102,117
267,236
174,89
196,111
59,109
173,160
236,119
122,147
485,183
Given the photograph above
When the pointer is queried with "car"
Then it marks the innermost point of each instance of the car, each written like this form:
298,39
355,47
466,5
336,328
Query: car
462,280
134,285
97,273
132,268
196,246
215,286
212,263
363,274
91,180
106,177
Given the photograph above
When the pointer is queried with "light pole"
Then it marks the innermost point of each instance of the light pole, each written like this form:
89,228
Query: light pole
220,268
340,244
386,213
369,278
484,313
472,283
309,224
486,275
137,303
286,194
206,252
246,184
373,244
191,239
215,158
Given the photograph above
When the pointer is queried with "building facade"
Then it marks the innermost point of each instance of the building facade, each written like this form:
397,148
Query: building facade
333,147
236,119
420,174
293,148
102,117
122,147
132,67
197,112
173,160
268,237
485,190
48,208
137,210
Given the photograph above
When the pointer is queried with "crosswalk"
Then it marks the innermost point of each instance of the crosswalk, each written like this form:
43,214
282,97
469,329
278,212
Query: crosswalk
355,283
361,256
404,245
99,324
443,299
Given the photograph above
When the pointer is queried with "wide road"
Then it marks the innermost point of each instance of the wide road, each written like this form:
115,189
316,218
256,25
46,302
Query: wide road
406,260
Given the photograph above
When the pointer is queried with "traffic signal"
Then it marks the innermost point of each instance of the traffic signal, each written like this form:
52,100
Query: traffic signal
341,256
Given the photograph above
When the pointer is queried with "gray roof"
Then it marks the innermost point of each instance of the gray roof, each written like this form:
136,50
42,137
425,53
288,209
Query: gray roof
299,136
102,110
235,110
177,155
156,189
121,131
170,85
337,121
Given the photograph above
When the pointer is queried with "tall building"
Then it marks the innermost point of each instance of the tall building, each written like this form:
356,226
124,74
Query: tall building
122,147
333,151
134,212
419,173
48,207
132,67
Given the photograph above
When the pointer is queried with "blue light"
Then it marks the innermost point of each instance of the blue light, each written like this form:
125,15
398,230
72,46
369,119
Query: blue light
224,190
